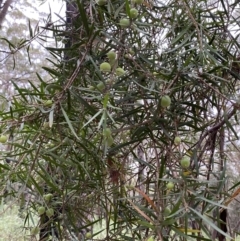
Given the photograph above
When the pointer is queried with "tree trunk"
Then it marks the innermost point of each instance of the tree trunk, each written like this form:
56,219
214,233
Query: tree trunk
4,9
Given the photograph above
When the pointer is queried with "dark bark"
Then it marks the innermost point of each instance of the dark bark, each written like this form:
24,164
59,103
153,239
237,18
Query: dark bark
71,12
4,10
223,224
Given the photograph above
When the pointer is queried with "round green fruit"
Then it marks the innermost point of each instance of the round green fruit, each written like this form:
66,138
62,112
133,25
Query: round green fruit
150,238
90,87
105,67
165,101
109,140
185,162
124,22
131,51
111,55
133,13
177,140
101,2
166,211
3,139
170,185
120,71
88,235
107,132
41,210
35,231
138,1
108,81
48,197
50,212
47,102
45,125
100,86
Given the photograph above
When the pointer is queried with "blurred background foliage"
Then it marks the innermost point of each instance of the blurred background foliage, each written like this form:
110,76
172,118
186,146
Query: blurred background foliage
88,144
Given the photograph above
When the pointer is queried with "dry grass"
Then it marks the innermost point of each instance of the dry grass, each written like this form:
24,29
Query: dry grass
11,225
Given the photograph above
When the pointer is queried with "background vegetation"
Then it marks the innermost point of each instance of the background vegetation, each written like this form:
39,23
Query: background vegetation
97,144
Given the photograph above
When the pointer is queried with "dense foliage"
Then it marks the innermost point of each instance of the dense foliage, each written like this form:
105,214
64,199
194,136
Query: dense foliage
135,137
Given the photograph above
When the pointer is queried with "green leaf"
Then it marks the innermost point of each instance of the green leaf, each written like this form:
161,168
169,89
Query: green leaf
69,122
210,223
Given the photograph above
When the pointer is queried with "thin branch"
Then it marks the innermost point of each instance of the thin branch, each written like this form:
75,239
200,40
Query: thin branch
195,24
3,13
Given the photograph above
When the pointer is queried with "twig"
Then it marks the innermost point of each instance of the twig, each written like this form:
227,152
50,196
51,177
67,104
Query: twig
195,24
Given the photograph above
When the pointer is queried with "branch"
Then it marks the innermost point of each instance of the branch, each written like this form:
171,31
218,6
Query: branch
4,11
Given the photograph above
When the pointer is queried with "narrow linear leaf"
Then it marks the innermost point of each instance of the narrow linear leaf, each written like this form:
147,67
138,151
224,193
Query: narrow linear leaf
210,223
69,122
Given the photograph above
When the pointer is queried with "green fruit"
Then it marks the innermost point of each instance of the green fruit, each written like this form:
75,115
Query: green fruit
3,139
166,212
48,197
35,231
100,86
170,185
107,132
120,71
138,1
47,102
150,238
186,173
131,51
177,140
41,210
88,235
50,212
45,125
111,55
101,2
169,221
108,81
105,67
185,162
133,13
109,140
90,87
165,101
124,22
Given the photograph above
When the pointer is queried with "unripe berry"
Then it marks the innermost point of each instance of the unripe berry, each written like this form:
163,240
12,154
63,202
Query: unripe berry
3,139
90,87
47,102
107,132
111,55
48,197
177,140
124,23
138,1
165,101
170,185
100,86
49,212
105,67
150,238
133,13
88,235
120,71
101,2
109,140
41,210
166,211
35,231
185,162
